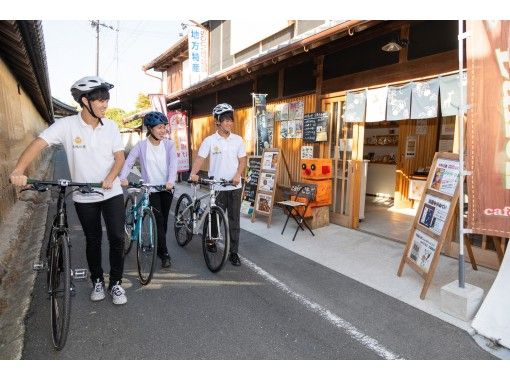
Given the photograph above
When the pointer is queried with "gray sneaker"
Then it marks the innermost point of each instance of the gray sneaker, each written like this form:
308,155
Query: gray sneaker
98,291
118,294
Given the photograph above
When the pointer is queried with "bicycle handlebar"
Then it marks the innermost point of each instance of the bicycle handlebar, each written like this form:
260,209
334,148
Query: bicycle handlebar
134,185
84,188
211,181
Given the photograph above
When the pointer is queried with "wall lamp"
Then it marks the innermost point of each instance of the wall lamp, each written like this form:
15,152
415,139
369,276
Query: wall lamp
395,45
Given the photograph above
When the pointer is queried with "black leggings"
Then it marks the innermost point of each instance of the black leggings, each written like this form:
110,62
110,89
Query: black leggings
161,202
90,219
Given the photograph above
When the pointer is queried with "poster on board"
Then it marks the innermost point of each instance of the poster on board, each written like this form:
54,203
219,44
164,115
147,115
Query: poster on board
270,161
264,203
446,176
422,250
266,182
411,147
434,213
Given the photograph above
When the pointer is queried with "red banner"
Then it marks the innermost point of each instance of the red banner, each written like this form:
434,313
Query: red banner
488,127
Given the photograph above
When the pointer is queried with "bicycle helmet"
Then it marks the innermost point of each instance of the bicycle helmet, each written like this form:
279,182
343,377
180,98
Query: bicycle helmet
154,118
220,109
86,85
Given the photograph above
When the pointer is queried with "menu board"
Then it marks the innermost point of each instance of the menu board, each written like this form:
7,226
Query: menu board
434,213
315,126
250,187
446,176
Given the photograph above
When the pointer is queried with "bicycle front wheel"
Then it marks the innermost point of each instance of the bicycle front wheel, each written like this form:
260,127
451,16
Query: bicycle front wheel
60,291
128,224
215,239
147,246
183,225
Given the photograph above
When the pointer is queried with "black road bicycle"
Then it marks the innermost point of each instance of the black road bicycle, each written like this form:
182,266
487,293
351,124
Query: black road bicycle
57,262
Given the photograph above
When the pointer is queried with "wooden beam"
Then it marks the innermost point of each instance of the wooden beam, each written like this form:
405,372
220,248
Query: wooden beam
400,72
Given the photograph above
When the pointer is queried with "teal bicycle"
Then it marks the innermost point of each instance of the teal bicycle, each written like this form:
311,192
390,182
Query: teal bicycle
140,226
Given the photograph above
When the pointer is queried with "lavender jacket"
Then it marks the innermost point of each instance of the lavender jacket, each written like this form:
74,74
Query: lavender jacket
140,151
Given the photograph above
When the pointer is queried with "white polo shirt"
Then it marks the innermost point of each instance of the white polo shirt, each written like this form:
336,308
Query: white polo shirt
224,156
89,152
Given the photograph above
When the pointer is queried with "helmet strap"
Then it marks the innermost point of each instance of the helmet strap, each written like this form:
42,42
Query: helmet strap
89,108
153,136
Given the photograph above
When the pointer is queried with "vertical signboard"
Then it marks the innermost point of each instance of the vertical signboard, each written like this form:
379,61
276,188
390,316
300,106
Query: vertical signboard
177,122
198,49
488,127
263,134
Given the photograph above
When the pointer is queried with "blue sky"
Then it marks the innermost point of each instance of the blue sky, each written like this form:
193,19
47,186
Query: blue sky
71,54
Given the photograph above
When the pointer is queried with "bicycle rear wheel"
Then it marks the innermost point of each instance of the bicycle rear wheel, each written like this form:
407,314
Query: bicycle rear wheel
129,223
215,240
60,291
183,225
147,246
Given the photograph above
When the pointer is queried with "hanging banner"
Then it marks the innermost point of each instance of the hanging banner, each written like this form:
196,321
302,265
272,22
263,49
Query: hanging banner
158,102
488,127
198,48
424,99
178,125
264,139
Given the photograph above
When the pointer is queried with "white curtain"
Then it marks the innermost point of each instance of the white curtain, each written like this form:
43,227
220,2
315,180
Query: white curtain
355,107
450,93
399,102
376,104
424,99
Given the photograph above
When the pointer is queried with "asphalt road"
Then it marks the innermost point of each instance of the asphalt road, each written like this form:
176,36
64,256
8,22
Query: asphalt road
277,305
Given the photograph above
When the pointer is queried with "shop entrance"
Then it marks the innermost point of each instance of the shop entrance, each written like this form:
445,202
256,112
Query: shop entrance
346,151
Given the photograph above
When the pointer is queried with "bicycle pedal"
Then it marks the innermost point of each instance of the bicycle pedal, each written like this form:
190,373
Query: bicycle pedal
40,266
79,274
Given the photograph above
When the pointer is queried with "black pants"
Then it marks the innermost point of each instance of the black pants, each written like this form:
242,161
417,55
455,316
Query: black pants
230,202
90,218
161,202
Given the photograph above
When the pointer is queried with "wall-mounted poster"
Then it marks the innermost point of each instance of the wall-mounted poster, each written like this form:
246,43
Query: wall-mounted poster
270,161
281,112
421,126
264,203
446,176
298,129
284,129
266,182
422,249
306,151
411,147
296,110
434,213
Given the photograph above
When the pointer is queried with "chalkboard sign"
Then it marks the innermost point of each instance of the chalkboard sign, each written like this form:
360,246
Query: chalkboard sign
315,126
305,190
250,187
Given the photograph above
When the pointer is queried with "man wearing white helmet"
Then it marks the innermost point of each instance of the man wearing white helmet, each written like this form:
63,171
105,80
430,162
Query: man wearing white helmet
228,161
95,153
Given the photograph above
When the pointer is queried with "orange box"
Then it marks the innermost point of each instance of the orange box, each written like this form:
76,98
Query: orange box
324,192
316,168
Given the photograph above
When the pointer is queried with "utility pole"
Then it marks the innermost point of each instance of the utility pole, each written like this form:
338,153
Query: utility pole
96,24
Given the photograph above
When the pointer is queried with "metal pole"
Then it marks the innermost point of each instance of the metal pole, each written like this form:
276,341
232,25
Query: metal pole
460,116
97,47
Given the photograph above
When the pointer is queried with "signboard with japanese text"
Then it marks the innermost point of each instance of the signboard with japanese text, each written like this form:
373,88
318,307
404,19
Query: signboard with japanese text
178,132
198,50
250,186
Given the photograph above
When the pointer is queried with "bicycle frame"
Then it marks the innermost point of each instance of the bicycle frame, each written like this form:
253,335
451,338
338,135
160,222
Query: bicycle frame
141,204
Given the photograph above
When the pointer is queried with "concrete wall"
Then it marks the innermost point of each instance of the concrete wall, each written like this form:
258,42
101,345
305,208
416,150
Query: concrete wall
19,124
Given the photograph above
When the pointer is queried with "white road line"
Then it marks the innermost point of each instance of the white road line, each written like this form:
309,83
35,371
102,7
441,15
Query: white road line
351,330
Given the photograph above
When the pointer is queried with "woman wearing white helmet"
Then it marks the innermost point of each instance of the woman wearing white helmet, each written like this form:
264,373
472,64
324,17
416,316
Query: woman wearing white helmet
228,161
95,153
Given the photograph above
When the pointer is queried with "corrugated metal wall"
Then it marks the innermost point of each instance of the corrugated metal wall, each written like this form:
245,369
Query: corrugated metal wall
291,148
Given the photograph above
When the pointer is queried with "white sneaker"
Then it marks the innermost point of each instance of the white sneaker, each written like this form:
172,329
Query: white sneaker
98,291
118,295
